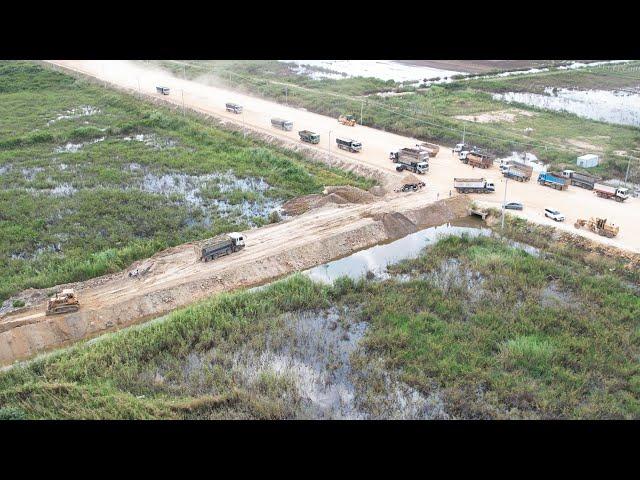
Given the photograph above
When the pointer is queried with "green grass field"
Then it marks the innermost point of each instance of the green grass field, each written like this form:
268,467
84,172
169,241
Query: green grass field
91,179
488,329
432,114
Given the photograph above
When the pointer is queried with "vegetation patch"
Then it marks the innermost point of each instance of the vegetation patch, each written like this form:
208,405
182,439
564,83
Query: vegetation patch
92,180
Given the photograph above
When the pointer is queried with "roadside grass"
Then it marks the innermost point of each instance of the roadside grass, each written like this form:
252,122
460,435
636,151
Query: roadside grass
92,180
430,114
525,337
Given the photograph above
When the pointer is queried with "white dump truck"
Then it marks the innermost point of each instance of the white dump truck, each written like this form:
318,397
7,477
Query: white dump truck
221,245
473,185
618,194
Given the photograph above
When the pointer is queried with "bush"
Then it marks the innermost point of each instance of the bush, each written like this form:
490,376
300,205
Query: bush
18,303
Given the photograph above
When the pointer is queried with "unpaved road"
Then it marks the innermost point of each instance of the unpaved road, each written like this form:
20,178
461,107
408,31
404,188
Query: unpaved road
574,203
177,279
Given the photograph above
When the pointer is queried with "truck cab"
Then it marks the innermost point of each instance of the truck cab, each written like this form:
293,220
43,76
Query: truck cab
162,90
233,108
237,238
460,147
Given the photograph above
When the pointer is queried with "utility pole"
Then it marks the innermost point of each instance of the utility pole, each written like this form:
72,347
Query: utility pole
184,72
329,145
627,174
505,196
139,91
244,130
182,102
464,131
286,95
361,111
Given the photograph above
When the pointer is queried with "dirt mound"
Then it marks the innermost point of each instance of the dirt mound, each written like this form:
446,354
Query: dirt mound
351,194
410,178
396,224
378,191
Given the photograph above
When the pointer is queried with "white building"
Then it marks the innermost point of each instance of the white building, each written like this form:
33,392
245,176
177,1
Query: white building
588,161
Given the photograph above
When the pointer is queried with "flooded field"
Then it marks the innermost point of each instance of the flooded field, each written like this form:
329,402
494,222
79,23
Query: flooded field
372,262
621,108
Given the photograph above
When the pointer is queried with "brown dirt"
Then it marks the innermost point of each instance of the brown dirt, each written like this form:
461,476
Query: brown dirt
176,278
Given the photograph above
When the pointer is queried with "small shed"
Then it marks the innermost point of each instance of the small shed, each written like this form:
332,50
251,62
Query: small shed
588,161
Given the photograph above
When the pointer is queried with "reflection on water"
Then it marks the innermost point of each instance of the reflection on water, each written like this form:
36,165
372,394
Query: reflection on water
377,258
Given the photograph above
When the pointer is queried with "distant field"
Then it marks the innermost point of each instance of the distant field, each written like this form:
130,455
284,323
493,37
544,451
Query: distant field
479,66
91,179
443,113
474,328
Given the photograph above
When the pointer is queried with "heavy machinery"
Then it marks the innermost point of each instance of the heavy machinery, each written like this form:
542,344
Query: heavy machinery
411,187
162,90
477,159
549,180
431,148
282,124
219,246
415,160
599,226
348,144
64,302
473,185
349,120
618,194
582,180
309,136
233,108
517,171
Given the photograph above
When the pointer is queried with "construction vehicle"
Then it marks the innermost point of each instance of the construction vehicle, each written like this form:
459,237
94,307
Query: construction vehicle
618,194
477,159
599,226
473,185
233,108
309,136
549,180
517,171
162,90
431,148
414,154
460,147
286,125
219,246
582,180
412,166
411,187
64,302
349,120
348,144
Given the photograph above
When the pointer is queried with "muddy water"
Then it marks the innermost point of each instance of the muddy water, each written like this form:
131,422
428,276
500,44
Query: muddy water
613,107
377,258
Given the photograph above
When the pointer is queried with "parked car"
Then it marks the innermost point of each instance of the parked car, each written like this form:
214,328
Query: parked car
553,214
513,206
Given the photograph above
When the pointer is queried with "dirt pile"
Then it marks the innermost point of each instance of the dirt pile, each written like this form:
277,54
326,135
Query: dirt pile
440,212
396,224
351,194
332,195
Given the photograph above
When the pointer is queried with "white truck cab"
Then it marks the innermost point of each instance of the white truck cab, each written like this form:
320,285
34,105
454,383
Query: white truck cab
459,147
238,238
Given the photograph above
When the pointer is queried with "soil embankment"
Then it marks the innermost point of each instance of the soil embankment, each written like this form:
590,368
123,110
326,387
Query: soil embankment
175,278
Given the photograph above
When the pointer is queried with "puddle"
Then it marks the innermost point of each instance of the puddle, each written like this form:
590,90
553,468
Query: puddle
84,111
621,108
376,259
152,140
75,147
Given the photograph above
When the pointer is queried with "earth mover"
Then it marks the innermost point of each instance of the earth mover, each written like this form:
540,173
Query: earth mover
599,226
64,302
347,120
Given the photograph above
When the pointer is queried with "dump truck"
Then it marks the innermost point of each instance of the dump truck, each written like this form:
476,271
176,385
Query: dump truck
549,180
412,166
309,136
599,226
473,185
618,194
517,171
348,144
477,159
347,120
219,246
431,148
415,154
162,90
282,124
233,108
63,302
582,180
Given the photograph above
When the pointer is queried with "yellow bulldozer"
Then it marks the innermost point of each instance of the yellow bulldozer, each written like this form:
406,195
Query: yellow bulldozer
347,120
64,302
599,226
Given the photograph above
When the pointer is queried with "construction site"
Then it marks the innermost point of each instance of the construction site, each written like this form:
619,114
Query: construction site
454,200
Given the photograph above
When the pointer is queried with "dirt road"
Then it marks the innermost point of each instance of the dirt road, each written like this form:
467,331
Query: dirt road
175,278
574,203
